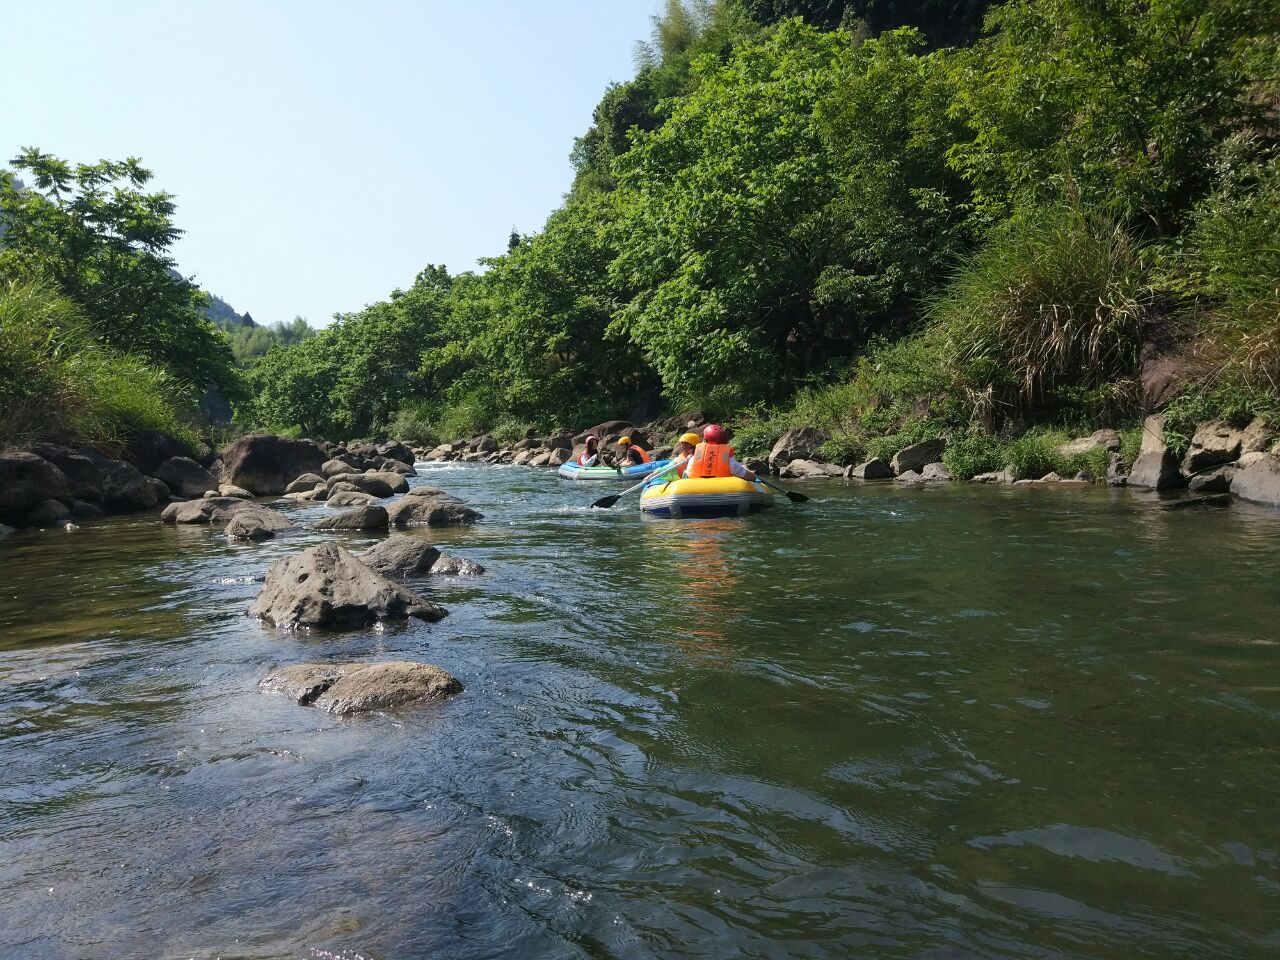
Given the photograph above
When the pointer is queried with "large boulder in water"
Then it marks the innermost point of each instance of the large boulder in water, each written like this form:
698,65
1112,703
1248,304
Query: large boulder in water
801,469
1259,481
1156,467
265,464
398,482
326,586
27,480
396,450
800,443
366,517
403,557
84,479
184,477
430,512
917,456
369,483
357,687
1213,444
125,489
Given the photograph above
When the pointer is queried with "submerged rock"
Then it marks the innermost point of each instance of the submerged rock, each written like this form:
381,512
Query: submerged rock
326,586
346,688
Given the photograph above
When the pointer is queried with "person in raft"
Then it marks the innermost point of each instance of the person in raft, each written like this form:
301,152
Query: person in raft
590,456
679,457
632,454
713,457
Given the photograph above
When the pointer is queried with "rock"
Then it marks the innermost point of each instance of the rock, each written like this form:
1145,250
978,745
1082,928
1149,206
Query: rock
800,443
604,432
206,494
451,566
1084,475
484,444
935,472
995,476
559,441
349,498
1214,480
369,483
1248,459
1216,500
1255,438
400,557
1156,467
367,517
84,479
918,455
1051,477
395,481
1117,471
523,457
427,492
430,512
1213,443
398,451
27,480
382,686
1098,440
386,465
83,510
266,464
247,525
801,469
221,510
125,489
307,481
338,465
910,476
543,459
48,513
873,469
303,682
148,449
231,490
556,458
184,477
1259,481
326,586
1164,369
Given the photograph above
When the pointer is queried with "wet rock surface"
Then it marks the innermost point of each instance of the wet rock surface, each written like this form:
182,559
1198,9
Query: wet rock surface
221,510
420,511
367,517
266,464
326,587
361,688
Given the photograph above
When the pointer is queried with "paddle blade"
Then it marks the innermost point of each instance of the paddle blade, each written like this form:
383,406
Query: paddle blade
796,497
604,503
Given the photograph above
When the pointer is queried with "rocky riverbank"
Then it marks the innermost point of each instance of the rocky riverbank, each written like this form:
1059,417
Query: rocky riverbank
1221,458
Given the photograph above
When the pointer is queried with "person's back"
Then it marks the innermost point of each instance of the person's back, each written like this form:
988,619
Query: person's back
632,453
713,457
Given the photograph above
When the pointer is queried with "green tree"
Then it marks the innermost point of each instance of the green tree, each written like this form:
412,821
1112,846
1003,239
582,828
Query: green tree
103,241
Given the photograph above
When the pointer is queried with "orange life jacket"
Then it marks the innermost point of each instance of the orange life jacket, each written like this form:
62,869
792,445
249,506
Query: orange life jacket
644,455
710,460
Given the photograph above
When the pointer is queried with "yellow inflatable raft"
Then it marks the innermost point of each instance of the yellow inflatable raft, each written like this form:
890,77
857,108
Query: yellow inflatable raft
704,497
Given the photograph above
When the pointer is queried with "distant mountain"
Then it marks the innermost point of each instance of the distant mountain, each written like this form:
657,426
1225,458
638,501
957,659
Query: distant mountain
222,313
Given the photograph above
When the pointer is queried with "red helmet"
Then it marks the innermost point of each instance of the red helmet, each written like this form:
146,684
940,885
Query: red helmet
590,439
714,433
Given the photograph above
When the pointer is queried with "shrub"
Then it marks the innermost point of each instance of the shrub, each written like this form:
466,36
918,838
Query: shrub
1059,300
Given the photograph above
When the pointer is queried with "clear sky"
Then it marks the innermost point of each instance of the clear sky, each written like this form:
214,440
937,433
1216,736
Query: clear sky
321,153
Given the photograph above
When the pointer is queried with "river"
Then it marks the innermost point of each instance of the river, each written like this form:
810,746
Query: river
936,722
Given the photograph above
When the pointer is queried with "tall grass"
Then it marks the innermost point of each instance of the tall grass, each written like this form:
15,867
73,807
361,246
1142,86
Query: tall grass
1055,307
56,383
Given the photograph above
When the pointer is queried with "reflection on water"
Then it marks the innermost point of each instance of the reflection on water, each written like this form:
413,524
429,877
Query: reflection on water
890,723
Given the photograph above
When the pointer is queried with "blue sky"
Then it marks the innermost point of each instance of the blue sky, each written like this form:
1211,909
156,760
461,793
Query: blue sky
322,153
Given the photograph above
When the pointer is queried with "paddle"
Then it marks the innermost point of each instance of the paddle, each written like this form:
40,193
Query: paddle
604,503
791,494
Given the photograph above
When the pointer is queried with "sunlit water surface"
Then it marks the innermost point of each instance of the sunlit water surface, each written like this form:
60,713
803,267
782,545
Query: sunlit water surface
931,723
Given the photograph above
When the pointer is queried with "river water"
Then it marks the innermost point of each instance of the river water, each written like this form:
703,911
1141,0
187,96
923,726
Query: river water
931,723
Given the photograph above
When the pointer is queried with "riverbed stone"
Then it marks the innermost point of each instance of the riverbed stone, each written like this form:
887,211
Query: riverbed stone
1259,482
27,480
1215,480
247,525
400,557
874,469
307,481
935,472
397,482
231,490
184,477
215,510
397,450
798,443
802,469
542,459
1257,437
338,465
349,498
48,513
910,476
431,512
1212,444
915,457
84,479
383,686
556,458
265,464
326,587
367,517
1157,468
125,489
1106,439
369,483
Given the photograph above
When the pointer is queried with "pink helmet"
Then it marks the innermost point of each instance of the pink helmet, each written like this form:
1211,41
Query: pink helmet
714,433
